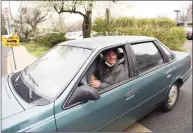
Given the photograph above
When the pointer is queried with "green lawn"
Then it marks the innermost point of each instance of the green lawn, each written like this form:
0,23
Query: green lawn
36,49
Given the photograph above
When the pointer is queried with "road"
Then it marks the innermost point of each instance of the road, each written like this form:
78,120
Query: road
4,62
180,118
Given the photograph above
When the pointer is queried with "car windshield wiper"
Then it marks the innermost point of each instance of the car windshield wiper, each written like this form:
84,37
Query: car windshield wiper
20,75
30,88
31,79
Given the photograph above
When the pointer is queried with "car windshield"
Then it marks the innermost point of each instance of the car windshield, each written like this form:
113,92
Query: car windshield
54,71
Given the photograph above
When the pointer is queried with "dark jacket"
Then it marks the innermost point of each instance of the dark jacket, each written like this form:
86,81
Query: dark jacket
111,75
107,75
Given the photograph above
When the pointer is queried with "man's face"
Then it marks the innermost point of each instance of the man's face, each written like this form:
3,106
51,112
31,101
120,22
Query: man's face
111,57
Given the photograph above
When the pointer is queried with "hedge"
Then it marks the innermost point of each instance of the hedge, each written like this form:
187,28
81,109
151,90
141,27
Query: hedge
174,37
51,39
161,28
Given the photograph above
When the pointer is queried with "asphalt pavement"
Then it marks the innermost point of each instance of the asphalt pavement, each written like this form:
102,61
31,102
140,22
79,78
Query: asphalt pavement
4,60
180,118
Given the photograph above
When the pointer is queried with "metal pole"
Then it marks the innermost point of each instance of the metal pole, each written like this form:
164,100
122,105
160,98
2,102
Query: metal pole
177,12
9,33
177,17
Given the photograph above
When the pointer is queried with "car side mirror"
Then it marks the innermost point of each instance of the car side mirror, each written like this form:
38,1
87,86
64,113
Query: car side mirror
83,93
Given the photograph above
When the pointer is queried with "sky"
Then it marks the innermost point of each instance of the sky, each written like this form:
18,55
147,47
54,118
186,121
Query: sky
139,9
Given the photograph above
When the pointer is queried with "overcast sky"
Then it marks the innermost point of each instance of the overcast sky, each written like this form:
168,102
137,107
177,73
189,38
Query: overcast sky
138,9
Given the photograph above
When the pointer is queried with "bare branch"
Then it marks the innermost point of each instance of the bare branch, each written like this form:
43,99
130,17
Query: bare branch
73,10
70,11
59,12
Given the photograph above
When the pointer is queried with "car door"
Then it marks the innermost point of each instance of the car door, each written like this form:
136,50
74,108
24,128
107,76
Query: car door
101,115
152,79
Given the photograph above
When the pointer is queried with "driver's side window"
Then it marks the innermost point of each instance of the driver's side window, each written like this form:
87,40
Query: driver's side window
110,67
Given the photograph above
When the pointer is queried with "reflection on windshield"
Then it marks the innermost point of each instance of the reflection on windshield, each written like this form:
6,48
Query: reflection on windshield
55,70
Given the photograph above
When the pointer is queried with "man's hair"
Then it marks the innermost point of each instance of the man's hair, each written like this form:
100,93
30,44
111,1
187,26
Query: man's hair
108,50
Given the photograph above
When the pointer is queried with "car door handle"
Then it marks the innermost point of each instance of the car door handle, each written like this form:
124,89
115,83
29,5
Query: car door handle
130,97
168,76
131,94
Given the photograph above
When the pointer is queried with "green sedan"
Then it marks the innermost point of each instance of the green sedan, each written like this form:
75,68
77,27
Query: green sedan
53,94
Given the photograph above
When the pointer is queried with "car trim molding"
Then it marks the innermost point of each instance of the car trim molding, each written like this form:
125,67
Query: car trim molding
129,110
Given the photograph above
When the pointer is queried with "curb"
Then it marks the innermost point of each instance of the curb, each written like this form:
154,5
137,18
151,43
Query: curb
10,63
10,68
137,127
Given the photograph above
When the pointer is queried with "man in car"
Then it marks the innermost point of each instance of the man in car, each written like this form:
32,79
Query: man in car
109,71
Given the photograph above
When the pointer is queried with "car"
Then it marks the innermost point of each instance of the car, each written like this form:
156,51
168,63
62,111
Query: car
52,95
43,35
74,35
189,32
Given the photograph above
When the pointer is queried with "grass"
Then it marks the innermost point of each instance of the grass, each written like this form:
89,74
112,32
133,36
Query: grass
36,49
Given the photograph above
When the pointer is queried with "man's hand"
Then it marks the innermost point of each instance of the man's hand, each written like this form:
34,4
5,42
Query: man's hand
95,83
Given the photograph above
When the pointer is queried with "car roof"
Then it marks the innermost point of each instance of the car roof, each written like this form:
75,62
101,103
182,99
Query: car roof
105,41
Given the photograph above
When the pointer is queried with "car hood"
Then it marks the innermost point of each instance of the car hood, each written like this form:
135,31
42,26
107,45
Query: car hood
10,105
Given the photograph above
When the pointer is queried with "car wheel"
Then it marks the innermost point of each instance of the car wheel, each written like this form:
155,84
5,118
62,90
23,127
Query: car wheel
171,98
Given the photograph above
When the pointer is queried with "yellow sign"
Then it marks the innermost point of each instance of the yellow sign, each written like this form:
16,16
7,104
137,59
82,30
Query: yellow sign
10,41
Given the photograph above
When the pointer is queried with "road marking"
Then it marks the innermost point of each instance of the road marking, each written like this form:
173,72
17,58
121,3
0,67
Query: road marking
137,127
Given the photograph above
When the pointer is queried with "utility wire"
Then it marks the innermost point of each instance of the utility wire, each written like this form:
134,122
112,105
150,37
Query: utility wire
19,7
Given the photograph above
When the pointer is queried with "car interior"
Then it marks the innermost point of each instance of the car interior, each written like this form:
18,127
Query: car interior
121,57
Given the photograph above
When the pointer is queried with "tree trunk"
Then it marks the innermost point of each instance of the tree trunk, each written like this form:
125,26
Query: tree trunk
34,30
87,25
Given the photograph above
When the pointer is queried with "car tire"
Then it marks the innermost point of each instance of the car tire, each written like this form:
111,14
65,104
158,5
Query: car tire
171,98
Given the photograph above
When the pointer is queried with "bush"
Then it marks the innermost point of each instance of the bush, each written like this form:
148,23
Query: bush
99,24
174,37
21,39
51,39
163,29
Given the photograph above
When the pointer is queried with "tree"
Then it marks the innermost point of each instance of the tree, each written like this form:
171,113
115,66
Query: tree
19,22
83,8
75,7
32,16
20,26
58,26
3,28
107,18
25,33
186,14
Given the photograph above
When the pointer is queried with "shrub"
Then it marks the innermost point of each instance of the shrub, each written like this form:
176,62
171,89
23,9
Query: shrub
163,29
174,37
99,24
21,39
51,39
